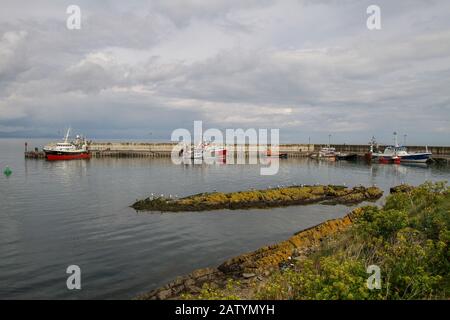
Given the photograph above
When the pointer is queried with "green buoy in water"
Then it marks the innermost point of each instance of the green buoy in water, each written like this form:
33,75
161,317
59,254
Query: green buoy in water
7,172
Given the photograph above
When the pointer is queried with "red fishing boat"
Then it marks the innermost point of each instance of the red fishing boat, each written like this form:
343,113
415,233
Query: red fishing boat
66,150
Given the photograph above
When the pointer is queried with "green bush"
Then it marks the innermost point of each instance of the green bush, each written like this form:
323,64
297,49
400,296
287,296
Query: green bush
331,277
408,239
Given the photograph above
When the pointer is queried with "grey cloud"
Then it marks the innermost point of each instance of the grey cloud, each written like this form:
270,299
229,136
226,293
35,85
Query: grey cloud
307,67
13,60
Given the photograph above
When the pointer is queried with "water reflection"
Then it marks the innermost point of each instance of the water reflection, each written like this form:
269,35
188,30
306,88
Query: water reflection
77,212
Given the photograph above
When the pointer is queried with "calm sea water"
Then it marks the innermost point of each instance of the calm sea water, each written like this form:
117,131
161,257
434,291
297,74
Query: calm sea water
55,214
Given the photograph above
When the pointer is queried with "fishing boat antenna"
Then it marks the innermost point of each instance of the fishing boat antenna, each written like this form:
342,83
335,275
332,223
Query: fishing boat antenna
395,139
66,138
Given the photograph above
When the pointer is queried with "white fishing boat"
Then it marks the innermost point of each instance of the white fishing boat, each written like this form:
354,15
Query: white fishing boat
203,150
328,153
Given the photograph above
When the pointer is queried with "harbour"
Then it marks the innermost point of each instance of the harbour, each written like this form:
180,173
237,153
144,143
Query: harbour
225,150
441,154
84,216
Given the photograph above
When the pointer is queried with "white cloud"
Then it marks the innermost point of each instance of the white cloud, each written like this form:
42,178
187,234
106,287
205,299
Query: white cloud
302,66
12,54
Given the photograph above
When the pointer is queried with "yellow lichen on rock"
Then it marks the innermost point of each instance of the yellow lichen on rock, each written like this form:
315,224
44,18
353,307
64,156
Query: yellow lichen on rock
271,256
285,196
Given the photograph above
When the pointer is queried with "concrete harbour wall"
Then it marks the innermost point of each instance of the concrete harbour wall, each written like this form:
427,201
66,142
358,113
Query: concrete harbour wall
164,149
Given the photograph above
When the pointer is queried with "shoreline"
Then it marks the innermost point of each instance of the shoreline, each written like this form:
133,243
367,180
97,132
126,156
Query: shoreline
310,264
252,268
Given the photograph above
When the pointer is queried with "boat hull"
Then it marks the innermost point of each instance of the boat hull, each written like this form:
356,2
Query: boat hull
388,159
66,156
220,152
416,157
279,155
201,154
348,157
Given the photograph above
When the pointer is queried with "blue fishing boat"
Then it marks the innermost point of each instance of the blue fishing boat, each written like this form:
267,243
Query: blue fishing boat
400,153
406,156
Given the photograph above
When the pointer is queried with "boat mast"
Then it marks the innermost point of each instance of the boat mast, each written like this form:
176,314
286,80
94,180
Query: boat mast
372,143
395,140
67,135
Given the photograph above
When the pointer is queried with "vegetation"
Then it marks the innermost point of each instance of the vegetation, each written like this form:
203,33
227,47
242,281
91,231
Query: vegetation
211,292
274,197
408,239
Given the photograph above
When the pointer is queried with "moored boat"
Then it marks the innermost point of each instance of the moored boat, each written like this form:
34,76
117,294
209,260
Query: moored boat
282,155
347,156
203,150
67,150
419,157
397,154
328,153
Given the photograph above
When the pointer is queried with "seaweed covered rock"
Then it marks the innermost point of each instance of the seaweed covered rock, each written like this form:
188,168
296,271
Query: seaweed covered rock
270,257
275,197
402,188
254,264
357,195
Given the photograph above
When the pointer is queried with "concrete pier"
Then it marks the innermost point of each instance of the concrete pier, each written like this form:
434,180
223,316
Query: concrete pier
157,150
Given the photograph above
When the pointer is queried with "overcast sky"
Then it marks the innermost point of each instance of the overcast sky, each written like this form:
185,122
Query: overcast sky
140,69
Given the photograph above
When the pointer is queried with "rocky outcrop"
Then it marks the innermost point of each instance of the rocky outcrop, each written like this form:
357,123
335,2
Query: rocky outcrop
255,265
191,283
270,257
277,197
402,188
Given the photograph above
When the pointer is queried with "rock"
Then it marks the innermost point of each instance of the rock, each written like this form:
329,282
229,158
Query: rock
178,281
300,258
404,188
248,275
203,273
263,261
193,289
268,198
164,294
189,282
